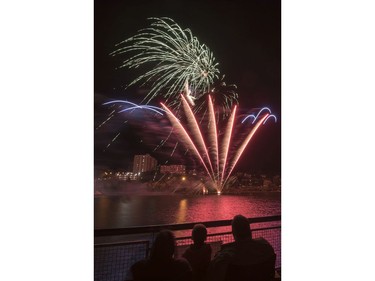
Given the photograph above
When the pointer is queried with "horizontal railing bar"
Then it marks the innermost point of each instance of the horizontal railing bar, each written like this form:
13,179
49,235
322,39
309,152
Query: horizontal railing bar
266,228
229,232
178,238
122,243
182,226
216,234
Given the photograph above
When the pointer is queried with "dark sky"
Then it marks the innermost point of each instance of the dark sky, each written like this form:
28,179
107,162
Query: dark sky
245,38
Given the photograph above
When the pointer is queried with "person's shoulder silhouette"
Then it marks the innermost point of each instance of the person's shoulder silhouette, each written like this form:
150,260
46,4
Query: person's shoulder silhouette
245,258
199,253
162,265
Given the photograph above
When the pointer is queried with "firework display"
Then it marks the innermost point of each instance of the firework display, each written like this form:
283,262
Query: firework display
198,107
175,62
217,163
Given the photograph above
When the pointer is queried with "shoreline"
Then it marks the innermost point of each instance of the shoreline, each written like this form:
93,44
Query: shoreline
161,193
109,188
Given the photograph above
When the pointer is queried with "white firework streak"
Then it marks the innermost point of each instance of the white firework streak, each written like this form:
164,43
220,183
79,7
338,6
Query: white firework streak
108,145
174,149
105,121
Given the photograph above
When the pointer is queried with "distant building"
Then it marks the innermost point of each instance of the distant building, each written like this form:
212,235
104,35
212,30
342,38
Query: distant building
143,163
173,169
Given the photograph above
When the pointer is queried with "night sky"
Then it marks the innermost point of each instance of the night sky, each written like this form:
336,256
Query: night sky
245,38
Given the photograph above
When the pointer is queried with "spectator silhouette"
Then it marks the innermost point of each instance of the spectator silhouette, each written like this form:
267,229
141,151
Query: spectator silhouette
199,253
162,266
244,259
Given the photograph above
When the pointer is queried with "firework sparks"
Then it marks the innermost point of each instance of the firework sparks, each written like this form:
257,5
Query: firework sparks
150,116
174,149
105,121
243,146
177,63
193,139
185,136
177,54
258,114
108,145
196,130
133,106
226,143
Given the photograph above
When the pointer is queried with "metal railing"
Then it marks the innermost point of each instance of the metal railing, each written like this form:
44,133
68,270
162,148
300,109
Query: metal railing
112,261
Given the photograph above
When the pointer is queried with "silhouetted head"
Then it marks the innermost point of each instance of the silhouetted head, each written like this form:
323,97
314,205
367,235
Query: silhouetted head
199,234
164,245
240,228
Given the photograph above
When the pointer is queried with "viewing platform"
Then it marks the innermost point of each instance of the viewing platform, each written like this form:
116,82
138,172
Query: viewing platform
116,249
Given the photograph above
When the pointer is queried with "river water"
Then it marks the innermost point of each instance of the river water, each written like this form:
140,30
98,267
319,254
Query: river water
135,206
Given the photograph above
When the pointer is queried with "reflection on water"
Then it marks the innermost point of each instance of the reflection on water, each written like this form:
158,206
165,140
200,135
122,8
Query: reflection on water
140,210
181,214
